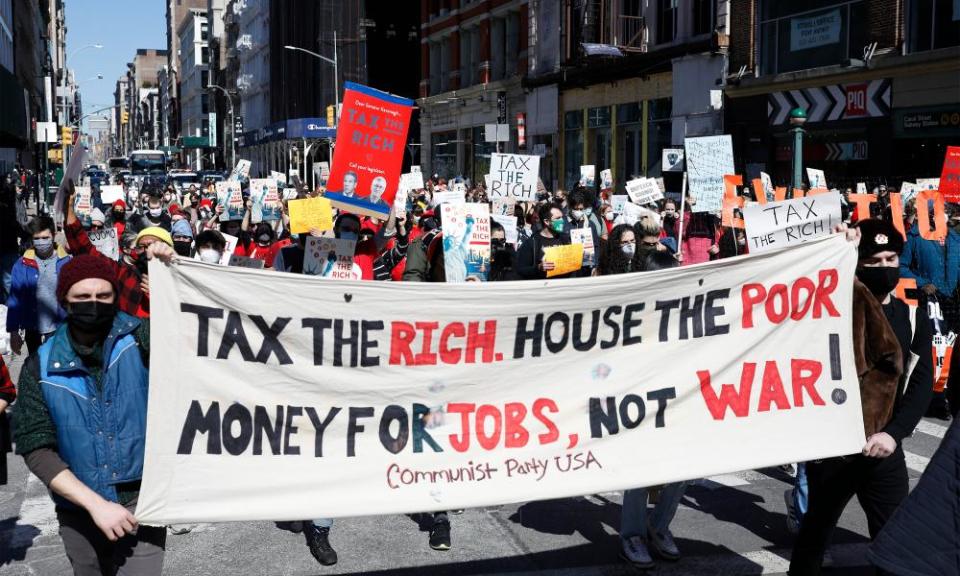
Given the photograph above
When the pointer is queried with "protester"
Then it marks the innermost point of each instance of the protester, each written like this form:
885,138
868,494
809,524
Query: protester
530,263
131,272
90,454
701,233
896,381
619,253
32,305
502,255
118,217
155,214
8,393
935,265
10,235
97,219
182,238
210,246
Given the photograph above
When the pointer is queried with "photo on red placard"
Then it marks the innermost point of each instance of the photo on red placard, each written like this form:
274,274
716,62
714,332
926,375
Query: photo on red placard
368,158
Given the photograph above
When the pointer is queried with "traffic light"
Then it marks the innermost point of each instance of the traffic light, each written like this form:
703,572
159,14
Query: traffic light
66,136
331,113
124,117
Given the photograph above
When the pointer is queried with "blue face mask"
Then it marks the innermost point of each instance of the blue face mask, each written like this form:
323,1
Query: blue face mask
43,246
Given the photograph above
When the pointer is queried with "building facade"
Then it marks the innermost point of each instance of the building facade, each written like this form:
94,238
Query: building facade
879,81
144,127
176,12
473,62
193,35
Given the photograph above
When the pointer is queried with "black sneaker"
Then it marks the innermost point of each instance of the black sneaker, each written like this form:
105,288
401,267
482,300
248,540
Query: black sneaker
318,540
440,535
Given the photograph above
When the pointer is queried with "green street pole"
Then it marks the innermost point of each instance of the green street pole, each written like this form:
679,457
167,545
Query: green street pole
798,116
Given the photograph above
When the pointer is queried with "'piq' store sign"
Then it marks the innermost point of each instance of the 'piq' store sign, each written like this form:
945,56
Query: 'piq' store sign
834,102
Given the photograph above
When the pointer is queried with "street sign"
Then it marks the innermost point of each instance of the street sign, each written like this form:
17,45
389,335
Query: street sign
212,130
196,142
47,132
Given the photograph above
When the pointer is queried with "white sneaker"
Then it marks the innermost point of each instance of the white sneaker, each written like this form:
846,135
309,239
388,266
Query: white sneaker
634,550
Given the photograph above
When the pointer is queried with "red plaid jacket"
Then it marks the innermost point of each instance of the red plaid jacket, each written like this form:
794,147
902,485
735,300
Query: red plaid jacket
131,298
7,390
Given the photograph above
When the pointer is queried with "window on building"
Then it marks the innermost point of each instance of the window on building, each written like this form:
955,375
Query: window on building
498,60
434,68
801,34
204,103
466,70
204,79
511,43
667,20
204,56
445,64
702,17
659,132
572,147
204,33
443,154
933,24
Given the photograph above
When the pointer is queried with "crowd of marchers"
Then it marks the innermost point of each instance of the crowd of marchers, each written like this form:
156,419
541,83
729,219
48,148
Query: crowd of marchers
81,317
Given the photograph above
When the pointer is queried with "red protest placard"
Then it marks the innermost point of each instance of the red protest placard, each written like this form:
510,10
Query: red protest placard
950,176
368,158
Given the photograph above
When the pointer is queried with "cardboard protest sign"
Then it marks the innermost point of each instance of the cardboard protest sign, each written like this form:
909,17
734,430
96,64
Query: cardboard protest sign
861,188
448,197
791,222
950,176
460,188
763,373
244,262
617,201
584,236
371,139
83,204
265,201
565,258
767,184
816,178
588,175
72,172
289,194
400,200
110,194
514,175
708,159
230,196
643,191
106,242
928,183
672,160
324,172
509,224
503,206
606,179
241,171
466,242
331,258
416,179
310,213
279,178
908,191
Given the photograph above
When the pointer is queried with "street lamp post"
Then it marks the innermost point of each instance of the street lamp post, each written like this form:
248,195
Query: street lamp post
336,75
798,116
233,124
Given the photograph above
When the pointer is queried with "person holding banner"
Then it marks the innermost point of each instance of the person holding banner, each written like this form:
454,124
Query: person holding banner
619,254
32,304
90,453
8,393
892,343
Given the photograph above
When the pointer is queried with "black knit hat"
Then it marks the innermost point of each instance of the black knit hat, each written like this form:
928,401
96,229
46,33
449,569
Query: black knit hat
878,236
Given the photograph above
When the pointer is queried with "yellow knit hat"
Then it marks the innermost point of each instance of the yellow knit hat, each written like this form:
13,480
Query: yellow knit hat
158,233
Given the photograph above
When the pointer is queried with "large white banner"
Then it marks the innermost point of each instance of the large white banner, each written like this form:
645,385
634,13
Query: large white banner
343,399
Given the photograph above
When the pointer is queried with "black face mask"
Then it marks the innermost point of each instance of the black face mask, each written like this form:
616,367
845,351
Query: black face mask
880,280
498,243
91,317
182,247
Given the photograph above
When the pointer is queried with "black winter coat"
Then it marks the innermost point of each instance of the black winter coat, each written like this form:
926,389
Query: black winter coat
922,538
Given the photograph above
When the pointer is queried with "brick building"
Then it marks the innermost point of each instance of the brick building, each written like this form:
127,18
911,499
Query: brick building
879,80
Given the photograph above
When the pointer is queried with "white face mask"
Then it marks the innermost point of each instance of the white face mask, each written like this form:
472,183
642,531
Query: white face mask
629,250
155,212
608,216
209,255
577,214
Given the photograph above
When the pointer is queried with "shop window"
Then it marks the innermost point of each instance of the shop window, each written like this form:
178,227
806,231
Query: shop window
667,20
933,24
443,154
572,147
573,120
629,113
598,117
798,35
659,132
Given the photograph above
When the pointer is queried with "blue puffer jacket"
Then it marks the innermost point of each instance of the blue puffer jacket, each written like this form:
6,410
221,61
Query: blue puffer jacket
22,303
922,538
101,429
924,260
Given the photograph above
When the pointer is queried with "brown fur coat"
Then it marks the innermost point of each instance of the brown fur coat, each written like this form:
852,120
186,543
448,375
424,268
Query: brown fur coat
878,357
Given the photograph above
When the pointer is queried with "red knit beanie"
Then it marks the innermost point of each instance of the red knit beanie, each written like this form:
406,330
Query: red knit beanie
82,267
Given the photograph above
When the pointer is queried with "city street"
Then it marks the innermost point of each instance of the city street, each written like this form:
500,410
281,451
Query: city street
727,525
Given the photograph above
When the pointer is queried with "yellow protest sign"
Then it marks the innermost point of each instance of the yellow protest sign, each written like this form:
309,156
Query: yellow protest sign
310,213
565,259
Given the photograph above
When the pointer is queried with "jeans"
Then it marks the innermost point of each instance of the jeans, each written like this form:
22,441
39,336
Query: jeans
633,519
323,523
7,261
800,492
